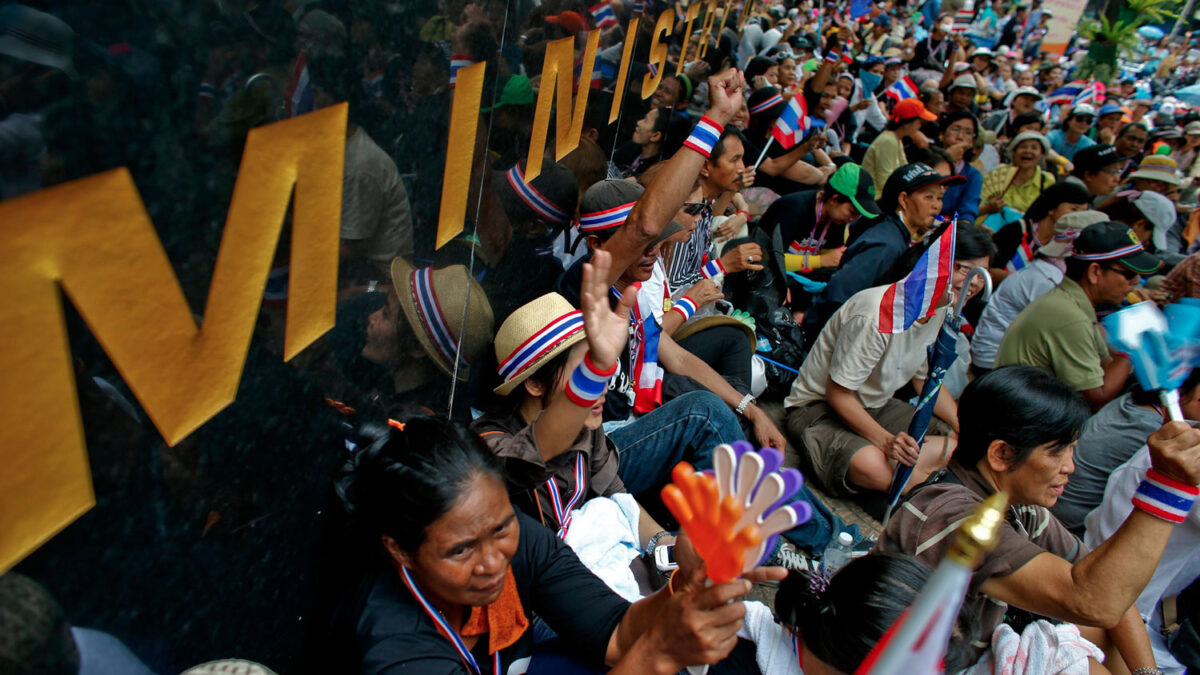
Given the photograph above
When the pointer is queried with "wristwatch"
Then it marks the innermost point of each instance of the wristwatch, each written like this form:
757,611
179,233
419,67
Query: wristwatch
654,541
745,402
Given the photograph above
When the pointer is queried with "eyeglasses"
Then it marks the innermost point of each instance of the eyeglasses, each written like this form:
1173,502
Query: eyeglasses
1113,172
1129,274
962,269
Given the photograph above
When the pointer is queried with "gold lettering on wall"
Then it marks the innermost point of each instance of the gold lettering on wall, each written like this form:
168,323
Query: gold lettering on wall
93,239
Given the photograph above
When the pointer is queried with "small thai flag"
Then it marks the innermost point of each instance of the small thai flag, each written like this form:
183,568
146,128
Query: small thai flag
918,295
1093,93
639,8
1066,94
1021,258
300,92
792,124
603,15
704,136
902,89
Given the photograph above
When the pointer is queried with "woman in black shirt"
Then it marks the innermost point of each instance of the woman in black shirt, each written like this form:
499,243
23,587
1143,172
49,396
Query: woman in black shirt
463,573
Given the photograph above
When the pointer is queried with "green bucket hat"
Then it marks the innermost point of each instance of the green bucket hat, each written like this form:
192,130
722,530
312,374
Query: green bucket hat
852,182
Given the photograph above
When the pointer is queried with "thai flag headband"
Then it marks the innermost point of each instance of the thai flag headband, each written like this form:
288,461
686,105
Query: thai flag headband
1119,253
541,343
773,101
430,313
602,220
534,199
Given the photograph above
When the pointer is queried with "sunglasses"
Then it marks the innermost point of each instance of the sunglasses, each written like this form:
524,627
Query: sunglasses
694,208
1129,274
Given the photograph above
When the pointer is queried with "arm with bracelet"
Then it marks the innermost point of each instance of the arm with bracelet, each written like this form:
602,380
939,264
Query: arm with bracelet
607,331
1101,587
672,185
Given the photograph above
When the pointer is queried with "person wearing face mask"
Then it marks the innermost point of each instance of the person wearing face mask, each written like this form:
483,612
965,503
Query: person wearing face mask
1059,331
912,199
1013,187
841,409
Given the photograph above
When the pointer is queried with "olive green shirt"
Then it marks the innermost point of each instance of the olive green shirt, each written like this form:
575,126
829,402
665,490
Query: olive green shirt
1058,332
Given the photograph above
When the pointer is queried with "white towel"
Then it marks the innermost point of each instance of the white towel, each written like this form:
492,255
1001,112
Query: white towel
774,651
1042,649
604,534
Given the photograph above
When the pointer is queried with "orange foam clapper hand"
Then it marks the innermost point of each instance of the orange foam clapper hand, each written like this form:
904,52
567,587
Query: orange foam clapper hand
711,522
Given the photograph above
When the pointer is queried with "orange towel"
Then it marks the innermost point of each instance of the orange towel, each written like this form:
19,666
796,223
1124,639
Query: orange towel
503,621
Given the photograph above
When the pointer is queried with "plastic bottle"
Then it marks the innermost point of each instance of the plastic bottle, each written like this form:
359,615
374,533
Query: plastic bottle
837,553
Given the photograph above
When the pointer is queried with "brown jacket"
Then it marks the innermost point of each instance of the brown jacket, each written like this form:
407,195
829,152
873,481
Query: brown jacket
514,442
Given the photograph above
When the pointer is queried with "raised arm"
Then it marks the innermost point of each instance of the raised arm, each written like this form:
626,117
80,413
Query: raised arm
1100,588
607,331
671,186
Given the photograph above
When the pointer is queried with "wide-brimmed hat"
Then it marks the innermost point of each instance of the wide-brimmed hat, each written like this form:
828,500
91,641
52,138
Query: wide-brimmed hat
1157,167
694,326
432,300
1067,229
533,335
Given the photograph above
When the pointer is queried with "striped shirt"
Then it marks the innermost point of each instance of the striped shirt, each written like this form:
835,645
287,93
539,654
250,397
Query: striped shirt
688,257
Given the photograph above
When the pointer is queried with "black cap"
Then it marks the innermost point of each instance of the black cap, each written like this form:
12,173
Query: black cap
912,177
1095,157
1116,242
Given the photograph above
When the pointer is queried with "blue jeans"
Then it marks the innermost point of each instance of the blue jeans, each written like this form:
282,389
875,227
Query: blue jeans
686,428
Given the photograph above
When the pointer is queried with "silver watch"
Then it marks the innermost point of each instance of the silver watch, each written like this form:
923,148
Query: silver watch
745,402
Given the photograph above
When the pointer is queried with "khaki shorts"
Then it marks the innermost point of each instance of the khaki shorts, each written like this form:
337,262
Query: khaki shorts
827,446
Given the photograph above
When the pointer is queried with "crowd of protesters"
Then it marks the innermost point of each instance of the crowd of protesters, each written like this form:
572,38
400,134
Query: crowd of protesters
463,475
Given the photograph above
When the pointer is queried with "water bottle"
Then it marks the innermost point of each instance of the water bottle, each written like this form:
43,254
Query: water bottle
837,553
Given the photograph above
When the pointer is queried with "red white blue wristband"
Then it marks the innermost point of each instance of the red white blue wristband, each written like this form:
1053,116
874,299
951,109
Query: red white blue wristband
686,306
712,268
588,383
1164,497
704,136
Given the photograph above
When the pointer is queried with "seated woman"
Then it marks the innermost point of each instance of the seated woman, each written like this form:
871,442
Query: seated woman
1010,189
825,626
459,574
1017,431
957,133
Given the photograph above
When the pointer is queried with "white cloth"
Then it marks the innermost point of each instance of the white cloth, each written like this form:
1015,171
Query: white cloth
1042,649
852,352
1013,295
1179,565
604,534
775,651
374,202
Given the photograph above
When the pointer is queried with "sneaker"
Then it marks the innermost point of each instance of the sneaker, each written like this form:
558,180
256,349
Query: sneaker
789,557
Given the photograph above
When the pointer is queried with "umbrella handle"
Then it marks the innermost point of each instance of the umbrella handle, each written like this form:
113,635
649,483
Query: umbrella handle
1170,400
962,297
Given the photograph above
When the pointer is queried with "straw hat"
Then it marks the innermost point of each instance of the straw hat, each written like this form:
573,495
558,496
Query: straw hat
533,335
705,322
433,301
1157,167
